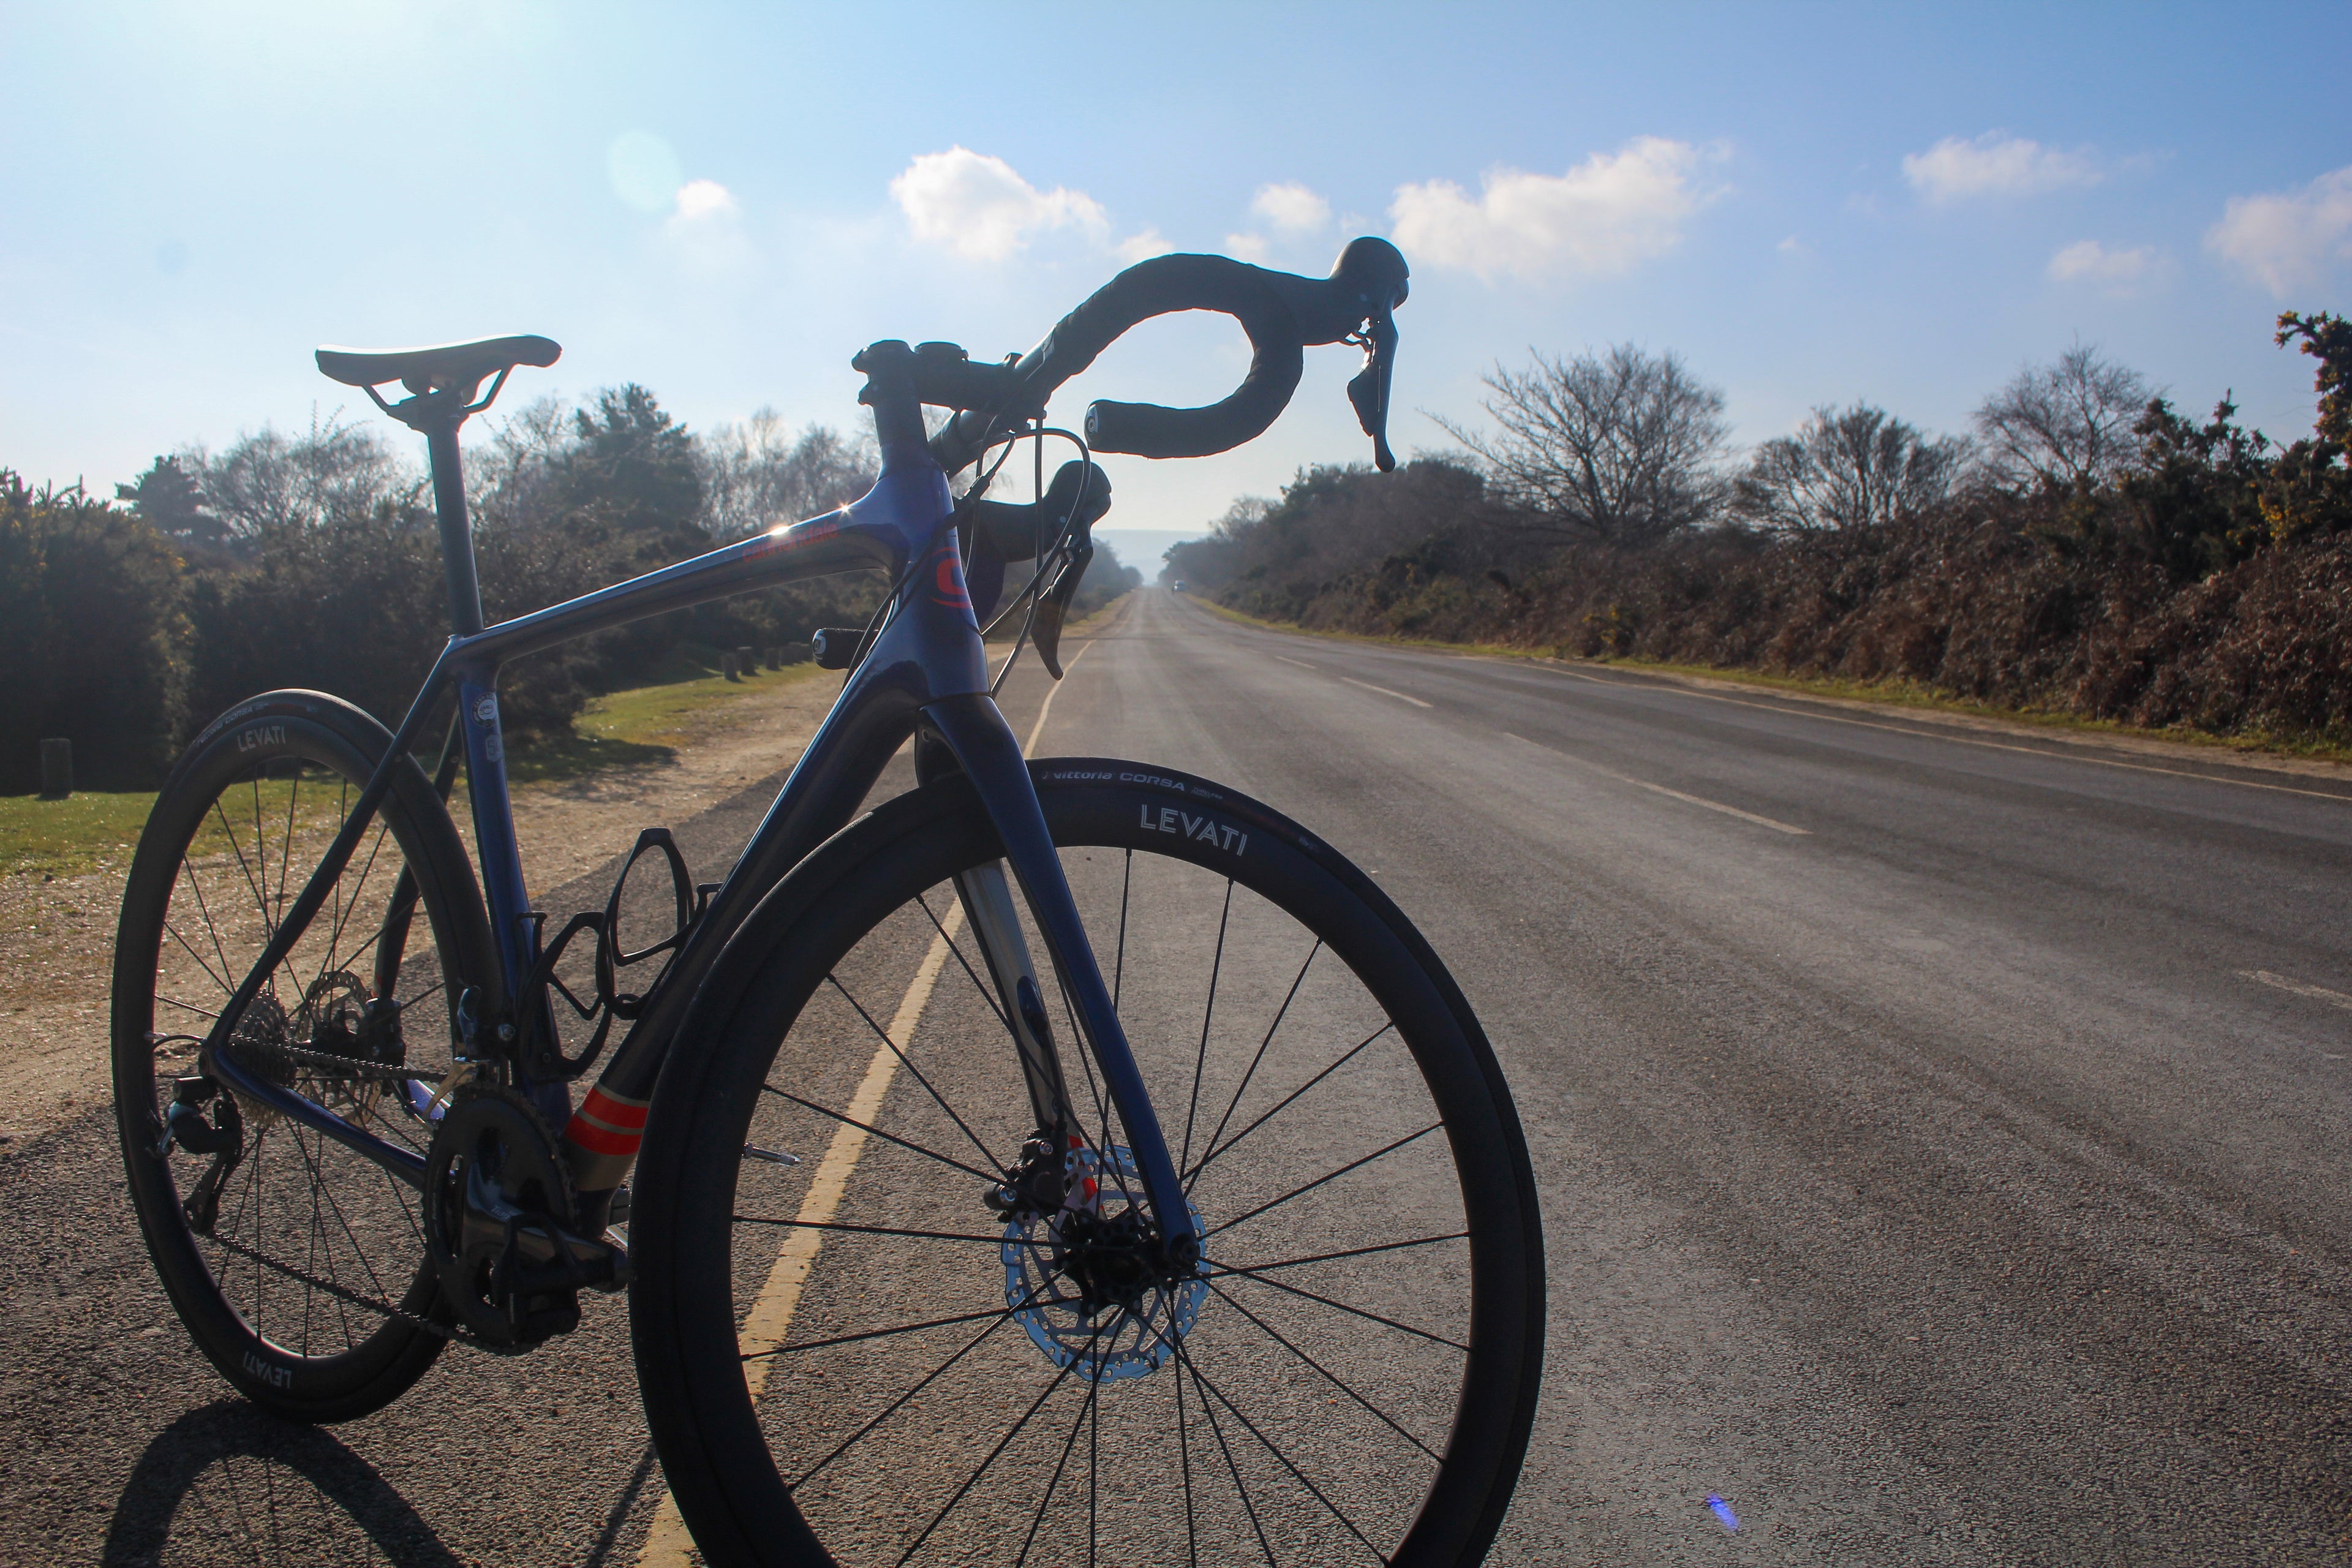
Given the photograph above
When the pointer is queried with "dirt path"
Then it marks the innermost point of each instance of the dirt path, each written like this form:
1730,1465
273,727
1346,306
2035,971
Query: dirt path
57,934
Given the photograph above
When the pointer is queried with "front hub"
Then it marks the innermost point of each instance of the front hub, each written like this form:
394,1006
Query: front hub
1091,1284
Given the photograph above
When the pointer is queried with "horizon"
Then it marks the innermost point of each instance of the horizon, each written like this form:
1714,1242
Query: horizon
1810,207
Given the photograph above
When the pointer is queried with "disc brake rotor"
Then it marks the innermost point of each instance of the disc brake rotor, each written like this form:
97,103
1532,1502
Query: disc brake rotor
1082,1283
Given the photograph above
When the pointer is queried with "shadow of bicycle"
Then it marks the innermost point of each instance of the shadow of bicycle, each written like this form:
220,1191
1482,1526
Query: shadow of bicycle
229,1484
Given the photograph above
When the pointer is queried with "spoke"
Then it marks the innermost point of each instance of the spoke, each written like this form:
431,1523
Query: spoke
1229,1271
1352,1252
878,1333
210,929
226,989
877,1132
260,902
867,1229
1208,1149
1094,1462
293,793
1184,1362
1185,1460
319,1188
1103,1162
1267,1443
892,1408
1118,965
1208,1015
260,855
1333,1176
1045,1499
986,994
973,1479
421,995
1284,1103
1337,1382
884,1034
182,1007
345,909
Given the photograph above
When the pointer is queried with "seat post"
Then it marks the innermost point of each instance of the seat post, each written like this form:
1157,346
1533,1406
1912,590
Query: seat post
456,528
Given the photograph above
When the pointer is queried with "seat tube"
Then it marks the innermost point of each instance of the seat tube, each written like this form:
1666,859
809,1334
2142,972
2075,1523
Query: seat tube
456,528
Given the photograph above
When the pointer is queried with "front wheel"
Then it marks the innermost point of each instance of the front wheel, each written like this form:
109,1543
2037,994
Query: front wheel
860,1358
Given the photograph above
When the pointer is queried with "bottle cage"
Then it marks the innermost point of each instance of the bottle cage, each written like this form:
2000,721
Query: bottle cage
539,1045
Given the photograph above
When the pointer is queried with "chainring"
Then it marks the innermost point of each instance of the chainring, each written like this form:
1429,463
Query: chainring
495,1194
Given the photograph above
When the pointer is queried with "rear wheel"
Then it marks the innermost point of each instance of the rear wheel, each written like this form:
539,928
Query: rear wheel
295,1264
856,1359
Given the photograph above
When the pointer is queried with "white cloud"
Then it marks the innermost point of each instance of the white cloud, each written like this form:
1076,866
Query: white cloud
1142,246
705,199
2285,240
1794,247
1246,246
1604,216
1995,165
979,208
2116,271
703,230
1291,207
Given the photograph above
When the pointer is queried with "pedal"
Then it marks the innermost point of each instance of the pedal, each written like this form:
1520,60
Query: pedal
836,647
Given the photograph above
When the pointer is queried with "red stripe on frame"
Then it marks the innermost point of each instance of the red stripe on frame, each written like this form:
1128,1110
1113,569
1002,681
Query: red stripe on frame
613,1111
597,1141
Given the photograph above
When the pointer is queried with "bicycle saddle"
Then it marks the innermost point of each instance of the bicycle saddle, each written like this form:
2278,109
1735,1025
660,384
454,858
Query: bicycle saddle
445,365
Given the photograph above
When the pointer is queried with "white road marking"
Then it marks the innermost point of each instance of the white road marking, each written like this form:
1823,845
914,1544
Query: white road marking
668,1544
2281,983
1299,662
1384,691
1661,789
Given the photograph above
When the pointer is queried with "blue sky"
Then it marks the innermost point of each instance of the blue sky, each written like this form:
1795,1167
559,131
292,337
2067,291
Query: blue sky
1809,202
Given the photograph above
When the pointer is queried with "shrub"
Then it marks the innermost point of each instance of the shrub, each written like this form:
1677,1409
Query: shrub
90,632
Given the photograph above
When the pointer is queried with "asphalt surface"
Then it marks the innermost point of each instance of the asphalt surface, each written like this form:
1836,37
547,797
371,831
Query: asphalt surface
1939,1132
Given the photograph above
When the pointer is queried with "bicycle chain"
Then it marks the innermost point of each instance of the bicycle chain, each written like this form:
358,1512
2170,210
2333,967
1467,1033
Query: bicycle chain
343,1293
347,1067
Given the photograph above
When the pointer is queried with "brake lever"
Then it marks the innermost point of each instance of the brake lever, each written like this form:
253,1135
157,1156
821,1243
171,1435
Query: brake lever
1369,389
1046,628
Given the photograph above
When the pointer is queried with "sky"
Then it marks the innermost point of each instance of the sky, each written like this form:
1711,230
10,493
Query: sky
1810,204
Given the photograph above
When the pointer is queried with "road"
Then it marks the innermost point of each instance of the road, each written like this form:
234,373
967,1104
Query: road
1939,1130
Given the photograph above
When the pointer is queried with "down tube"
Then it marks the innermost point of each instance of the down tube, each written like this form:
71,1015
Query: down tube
977,733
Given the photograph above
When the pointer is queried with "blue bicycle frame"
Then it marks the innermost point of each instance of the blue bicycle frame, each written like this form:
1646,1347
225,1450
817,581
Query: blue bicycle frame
924,674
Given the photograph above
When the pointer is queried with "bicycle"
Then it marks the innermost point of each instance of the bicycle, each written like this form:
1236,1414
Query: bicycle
362,1146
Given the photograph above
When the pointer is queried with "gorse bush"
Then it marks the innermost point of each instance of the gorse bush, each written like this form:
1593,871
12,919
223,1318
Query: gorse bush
2082,556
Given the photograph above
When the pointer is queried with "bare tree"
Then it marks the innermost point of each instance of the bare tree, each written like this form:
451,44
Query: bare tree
272,483
1621,446
510,476
1847,469
2065,422
757,473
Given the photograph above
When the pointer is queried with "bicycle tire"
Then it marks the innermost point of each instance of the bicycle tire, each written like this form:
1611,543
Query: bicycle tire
706,1305
205,883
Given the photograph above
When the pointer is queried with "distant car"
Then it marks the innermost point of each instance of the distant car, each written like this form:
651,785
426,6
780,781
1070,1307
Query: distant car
1177,586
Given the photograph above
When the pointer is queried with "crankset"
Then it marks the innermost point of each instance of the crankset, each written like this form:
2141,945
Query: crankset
496,1202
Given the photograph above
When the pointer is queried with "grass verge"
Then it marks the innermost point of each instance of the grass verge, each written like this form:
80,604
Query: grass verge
1883,693
643,724
65,837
